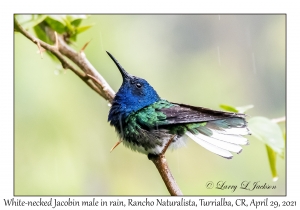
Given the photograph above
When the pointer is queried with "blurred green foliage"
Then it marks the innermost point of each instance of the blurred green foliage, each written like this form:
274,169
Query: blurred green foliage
68,25
266,131
62,138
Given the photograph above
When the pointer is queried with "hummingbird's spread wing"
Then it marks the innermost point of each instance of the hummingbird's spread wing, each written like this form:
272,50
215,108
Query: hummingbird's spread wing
182,113
217,131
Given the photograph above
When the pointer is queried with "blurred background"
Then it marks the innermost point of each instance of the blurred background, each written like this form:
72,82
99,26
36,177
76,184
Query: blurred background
62,138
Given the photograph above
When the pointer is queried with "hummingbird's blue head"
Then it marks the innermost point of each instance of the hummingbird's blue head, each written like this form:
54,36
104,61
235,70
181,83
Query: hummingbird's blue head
134,94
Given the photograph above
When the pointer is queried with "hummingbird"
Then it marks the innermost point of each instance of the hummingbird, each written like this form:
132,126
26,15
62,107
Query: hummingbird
145,122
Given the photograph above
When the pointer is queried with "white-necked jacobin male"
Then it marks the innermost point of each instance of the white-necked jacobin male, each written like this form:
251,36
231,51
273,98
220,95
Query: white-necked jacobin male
145,122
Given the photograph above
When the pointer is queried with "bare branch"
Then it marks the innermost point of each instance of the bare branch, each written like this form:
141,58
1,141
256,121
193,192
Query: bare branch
161,164
167,145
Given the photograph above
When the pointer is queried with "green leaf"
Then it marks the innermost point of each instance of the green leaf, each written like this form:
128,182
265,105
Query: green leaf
70,27
78,30
76,22
29,21
284,138
272,162
243,109
40,33
82,29
268,132
71,18
56,25
58,18
228,108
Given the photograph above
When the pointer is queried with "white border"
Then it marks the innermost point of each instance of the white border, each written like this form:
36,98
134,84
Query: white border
293,55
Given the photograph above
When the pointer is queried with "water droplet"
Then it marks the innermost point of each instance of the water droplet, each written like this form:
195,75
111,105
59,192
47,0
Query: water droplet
219,57
253,63
248,36
56,72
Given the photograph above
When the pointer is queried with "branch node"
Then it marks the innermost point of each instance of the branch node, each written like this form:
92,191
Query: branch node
41,50
94,79
167,145
56,41
64,65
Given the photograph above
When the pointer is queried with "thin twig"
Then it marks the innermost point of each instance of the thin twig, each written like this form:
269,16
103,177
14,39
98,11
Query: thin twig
84,46
40,48
167,145
279,120
119,142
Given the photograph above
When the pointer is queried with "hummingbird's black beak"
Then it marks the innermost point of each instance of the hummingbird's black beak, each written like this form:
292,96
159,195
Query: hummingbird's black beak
124,73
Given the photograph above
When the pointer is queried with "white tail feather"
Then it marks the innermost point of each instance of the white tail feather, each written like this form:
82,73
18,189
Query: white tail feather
210,147
235,131
219,143
234,139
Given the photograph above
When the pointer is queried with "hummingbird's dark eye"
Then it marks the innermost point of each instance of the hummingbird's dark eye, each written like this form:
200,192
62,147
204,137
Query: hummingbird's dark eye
138,85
